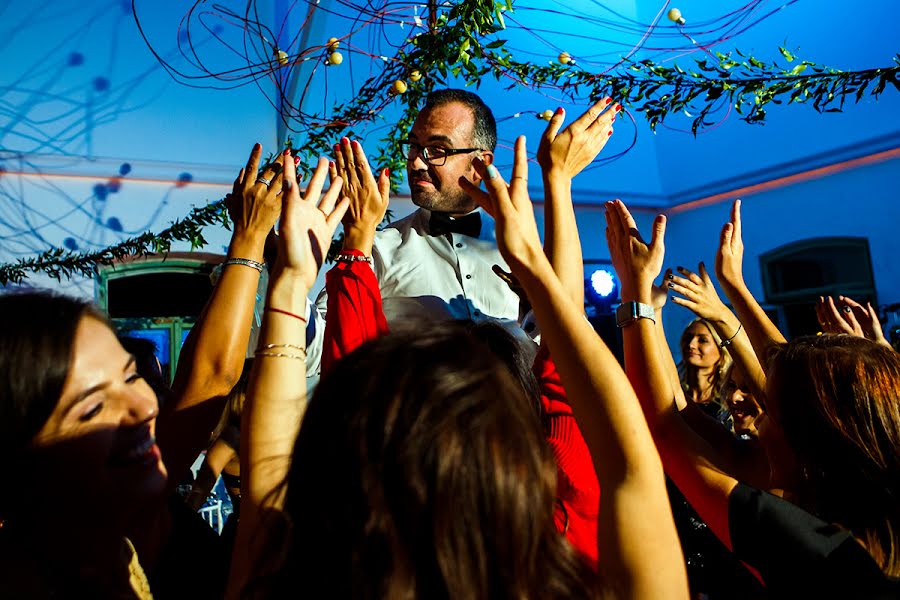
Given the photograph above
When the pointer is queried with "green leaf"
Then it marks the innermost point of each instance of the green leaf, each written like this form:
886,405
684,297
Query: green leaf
787,55
798,69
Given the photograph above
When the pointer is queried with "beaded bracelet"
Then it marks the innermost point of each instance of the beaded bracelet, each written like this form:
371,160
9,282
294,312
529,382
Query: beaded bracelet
731,339
345,257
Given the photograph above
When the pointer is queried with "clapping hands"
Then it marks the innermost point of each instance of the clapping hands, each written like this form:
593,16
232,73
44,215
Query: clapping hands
636,262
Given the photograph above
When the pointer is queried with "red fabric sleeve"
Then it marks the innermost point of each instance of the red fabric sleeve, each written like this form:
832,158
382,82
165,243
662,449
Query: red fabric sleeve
355,314
578,491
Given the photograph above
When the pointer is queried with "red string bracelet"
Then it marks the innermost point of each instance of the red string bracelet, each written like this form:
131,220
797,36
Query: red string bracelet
284,312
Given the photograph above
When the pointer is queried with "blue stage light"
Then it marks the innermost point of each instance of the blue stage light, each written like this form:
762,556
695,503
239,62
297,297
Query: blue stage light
601,289
603,282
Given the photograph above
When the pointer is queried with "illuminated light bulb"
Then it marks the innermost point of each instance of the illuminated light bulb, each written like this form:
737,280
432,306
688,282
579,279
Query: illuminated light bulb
282,57
335,58
399,87
564,58
675,16
415,75
333,44
546,115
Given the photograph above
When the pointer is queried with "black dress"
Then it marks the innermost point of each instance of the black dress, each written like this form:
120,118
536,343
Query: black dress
799,555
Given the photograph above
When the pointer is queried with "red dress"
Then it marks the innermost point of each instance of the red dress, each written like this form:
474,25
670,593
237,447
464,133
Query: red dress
355,316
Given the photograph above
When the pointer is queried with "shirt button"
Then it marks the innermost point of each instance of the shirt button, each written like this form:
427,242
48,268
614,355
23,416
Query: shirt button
469,276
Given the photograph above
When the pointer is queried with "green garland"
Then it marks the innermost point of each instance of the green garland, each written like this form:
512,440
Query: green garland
463,42
59,263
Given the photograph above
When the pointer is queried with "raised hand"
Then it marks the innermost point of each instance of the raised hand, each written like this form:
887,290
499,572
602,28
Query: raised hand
697,293
253,203
868,319
636,262
852,318
511,208
368,197
567,153
660,293
730,257
307,223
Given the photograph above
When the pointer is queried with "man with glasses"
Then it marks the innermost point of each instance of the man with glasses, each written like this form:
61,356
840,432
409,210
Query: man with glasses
437,262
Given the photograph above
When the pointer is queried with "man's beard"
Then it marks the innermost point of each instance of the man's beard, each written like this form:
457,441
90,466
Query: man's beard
438,201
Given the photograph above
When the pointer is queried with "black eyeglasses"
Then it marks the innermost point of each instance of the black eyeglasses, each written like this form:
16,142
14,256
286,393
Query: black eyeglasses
436,156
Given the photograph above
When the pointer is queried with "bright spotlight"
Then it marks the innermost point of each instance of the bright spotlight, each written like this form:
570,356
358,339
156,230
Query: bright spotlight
601,289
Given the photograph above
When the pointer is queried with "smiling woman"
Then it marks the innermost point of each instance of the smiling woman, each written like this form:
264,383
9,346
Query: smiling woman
704,367
76,419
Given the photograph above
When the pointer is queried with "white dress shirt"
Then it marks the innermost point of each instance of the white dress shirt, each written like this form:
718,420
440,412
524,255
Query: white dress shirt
423,276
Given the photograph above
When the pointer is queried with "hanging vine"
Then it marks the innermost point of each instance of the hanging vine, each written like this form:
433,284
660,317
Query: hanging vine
463,41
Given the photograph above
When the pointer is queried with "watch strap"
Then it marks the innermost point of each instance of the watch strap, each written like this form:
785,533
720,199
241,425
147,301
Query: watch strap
629,312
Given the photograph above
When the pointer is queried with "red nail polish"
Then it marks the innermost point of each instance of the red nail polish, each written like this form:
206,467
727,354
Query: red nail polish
355,144
618,107
257,146
296,160
608,100
609,133
287,151
560,110
387,172
331,164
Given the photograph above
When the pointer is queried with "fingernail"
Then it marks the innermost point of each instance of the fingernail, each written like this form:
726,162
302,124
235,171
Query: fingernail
670,276
344,139
609,133
618,107
671,285
296,160
492,172
608,100
355,144
846,309
560,110
330,164
387,172
287,152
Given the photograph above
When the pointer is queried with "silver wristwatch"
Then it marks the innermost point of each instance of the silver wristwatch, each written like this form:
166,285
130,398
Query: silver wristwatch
629,312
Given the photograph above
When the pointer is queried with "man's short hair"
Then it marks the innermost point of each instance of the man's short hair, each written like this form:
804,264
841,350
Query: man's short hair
484,131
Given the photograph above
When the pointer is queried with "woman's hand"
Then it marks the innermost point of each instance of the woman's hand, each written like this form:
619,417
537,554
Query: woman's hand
307,223
697,293
730,257
660,293
636,262
253,204
511,208
853,319
567,153
368,197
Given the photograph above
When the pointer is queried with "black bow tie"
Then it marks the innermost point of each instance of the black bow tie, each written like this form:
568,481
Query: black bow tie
441,224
